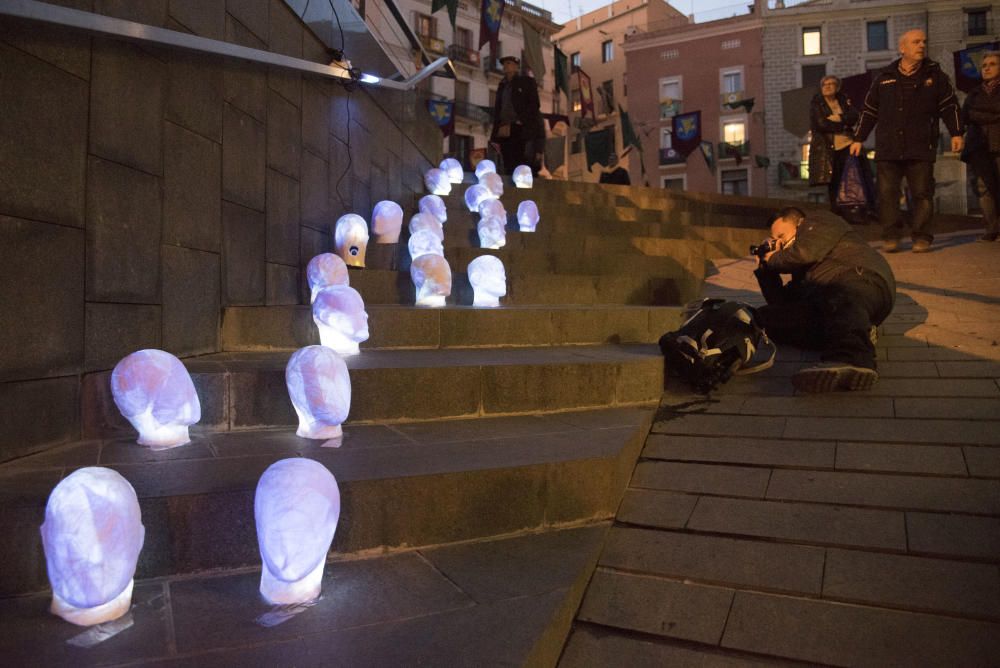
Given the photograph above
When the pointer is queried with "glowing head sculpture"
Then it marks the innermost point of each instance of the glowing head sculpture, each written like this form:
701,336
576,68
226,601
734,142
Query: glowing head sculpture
324,270
488,279
432,278
387,219
493,183
434,205
350,239
339,314
92,536
523,177
296,508
425,221
492,233
453,168
492,208
476,195
437,183
154,392
425,242
527,216
485,167
320,389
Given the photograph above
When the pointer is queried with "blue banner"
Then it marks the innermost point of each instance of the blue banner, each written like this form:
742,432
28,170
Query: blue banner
686,134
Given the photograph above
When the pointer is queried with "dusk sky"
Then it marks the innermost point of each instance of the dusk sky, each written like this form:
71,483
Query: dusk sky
564,10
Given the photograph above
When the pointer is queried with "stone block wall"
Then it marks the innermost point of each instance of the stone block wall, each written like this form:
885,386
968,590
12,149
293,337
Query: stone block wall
143,189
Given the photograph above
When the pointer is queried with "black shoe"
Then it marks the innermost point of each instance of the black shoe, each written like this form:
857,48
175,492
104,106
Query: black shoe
834,377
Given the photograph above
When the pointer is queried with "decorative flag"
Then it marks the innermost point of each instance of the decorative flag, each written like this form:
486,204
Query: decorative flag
599,146
762,161
708,153
669,107
443,113
746,103
562,71
629,137
533,51
490,15
787,171
452,6
967,65
586,95
686,134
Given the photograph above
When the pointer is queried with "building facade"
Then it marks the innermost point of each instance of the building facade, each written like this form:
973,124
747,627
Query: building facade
595,43
716,68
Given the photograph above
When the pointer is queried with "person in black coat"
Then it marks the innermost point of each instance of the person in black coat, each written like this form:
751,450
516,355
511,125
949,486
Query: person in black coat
518,129
906,101
840,290
981,114
831,120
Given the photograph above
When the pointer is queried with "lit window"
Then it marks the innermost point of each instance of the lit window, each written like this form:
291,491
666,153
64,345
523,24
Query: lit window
734,182
607,51
670,97
426,26
577,106
732,81
574,60
878,36
734,132
812,42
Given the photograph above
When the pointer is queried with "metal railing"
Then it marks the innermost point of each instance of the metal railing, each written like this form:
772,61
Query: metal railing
472,112
464,55
432,44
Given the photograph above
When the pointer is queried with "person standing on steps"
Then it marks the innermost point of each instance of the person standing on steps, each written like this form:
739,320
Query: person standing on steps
831,119
981,115
518,128
904,105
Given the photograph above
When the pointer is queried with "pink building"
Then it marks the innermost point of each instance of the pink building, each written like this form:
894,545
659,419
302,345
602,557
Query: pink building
709,67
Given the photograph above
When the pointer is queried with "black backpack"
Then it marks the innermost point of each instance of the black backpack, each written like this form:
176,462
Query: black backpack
718,340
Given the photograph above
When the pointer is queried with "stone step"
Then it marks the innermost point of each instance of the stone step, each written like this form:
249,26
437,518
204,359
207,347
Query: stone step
401,485
243,391
257,328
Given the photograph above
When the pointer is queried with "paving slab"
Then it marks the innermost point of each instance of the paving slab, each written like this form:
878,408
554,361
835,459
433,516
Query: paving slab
901,458
701,479
982,462
953,535
982,432
664,510
758,451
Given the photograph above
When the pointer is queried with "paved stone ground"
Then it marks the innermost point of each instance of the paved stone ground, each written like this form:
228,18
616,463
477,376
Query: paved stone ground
763,527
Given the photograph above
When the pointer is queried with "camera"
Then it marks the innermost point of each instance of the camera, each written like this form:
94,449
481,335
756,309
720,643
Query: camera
763,248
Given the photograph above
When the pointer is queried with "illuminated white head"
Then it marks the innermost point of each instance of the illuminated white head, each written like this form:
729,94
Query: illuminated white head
296,508
154,392
350,239
320,389
387,219
492,208
485,167
476,195
339,314
493,183
492,233
324,270
522,177
527,216
425,242
425,221
437,183
453,168
434,205
488,279
432,279
92,536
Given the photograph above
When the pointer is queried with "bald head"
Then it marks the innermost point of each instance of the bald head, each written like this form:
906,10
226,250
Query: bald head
913,46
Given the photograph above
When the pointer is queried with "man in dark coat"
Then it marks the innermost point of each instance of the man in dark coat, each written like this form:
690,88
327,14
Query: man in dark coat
840,290
518,128
906,101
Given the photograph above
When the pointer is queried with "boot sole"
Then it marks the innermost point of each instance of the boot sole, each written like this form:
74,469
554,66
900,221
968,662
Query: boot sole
834,379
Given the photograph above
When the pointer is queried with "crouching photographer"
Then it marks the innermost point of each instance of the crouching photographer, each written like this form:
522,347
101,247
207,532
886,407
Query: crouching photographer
840,291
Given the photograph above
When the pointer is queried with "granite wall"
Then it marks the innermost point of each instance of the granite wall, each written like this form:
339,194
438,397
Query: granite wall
143,189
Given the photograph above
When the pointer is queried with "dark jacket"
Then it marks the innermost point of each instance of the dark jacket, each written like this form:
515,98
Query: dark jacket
824,253
821,144
524,97
981,116
617,177
907,110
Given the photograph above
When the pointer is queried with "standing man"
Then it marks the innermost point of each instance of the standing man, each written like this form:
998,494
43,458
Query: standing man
906,101
518,129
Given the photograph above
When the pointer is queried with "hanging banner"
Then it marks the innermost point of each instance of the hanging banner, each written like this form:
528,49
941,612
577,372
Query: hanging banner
968,62
629,137
562,71
443,113
686,135
762,161
452,6
599,146
586,95
490,15
708,153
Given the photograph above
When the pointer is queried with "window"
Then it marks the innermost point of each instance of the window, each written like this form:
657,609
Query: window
669,54
812,42
426,26
731,44
461,91
607,51
811,74
734,132
977,23
463,37
671,94
878,36
575,102
665,138
732,80
734,182
574,60
675,183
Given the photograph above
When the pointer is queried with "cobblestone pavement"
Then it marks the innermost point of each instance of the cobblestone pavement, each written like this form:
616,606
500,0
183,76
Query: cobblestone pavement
846,529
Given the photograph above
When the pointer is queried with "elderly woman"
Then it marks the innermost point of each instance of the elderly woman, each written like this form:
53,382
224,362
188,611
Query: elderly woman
981,113
831,119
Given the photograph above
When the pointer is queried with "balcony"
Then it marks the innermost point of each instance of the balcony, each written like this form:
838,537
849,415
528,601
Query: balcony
727,150
492,65
463,55
669,156
432,44
530,10
472,112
